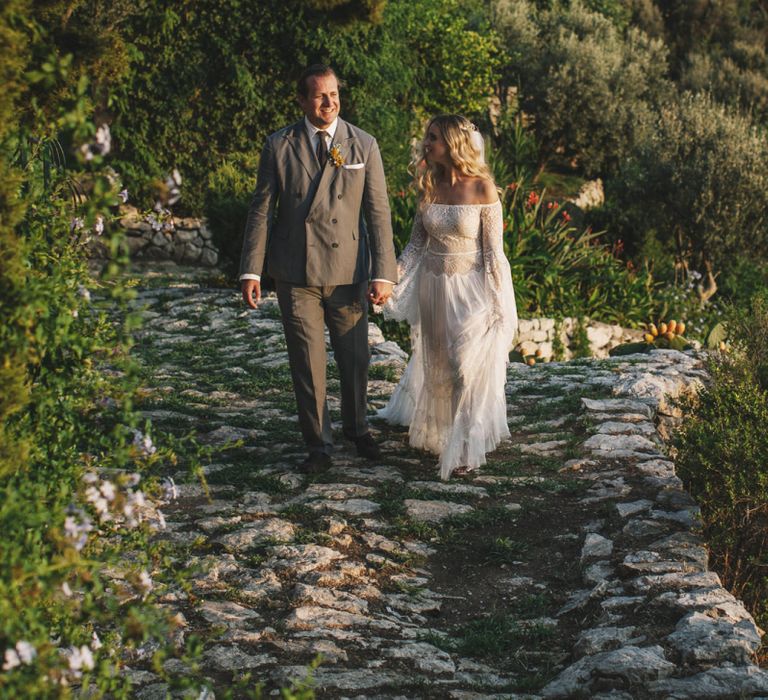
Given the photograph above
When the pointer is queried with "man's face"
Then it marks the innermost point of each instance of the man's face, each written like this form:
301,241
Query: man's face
321,105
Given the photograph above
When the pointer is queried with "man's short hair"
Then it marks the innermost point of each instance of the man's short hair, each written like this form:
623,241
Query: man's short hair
315,69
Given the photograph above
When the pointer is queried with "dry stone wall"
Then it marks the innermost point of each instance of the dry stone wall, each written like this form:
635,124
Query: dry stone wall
543,335
186,240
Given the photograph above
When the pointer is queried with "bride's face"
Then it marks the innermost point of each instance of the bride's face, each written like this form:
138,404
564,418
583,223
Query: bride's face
435,147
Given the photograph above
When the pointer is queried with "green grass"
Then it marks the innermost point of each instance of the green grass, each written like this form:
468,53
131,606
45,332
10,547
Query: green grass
504,550
243,475
386,373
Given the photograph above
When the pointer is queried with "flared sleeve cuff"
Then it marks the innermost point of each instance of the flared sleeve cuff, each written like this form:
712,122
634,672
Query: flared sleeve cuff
498,274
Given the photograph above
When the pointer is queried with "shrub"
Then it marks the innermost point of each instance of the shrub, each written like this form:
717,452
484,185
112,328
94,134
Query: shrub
699,180
560,270
722,457
227,199
211,80
72,516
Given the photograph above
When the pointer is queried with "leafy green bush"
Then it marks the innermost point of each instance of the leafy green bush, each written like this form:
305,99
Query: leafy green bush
227,199
560,270
76,563
722,457
215,78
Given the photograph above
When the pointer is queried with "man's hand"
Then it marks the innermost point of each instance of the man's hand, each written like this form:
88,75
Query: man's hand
251,292
379,292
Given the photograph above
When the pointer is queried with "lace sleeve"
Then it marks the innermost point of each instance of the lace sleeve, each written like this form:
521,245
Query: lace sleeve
402,305
498,273
414,249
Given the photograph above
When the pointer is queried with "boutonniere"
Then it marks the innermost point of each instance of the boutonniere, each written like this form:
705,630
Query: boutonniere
335,155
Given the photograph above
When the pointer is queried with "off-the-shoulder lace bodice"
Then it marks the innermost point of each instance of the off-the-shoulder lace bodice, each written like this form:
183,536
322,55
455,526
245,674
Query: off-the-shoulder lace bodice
453,237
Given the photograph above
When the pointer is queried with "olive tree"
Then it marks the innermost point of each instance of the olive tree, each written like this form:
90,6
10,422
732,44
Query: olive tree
587,86
701,180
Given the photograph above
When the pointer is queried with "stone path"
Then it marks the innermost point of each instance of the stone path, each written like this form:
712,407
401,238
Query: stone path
568,567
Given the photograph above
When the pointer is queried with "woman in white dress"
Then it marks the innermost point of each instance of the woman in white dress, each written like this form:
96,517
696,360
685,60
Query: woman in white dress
456,293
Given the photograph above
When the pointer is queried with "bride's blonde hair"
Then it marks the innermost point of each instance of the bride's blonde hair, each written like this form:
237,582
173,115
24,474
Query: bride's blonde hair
467,158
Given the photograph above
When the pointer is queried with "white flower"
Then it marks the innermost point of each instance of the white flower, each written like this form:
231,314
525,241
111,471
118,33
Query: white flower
103,139
144,442
75,313
169,487
79,659
133,479
98,226
107,489
98,502
12,660
87,656
95,642
83,291
76,224
176,176
26,652
123,194
77,531
90,477
145,583
154,223
161,524
66,589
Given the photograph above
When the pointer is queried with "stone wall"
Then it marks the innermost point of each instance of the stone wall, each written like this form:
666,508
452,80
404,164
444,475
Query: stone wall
540,335
184,240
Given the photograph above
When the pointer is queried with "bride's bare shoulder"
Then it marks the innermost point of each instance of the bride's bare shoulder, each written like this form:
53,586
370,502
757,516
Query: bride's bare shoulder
485,191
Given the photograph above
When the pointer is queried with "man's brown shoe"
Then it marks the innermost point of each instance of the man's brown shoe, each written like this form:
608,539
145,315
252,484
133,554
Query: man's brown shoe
367,447
315,463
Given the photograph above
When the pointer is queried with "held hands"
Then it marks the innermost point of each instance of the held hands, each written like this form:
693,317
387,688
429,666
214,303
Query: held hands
379,292
251,292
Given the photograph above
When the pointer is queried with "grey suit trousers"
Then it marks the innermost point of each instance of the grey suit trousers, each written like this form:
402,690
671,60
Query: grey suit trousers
306,311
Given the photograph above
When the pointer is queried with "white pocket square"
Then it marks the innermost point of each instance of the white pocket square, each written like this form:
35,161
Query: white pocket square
353,166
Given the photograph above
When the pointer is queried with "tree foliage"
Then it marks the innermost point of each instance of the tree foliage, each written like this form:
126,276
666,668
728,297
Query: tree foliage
700,181
210,80
587,86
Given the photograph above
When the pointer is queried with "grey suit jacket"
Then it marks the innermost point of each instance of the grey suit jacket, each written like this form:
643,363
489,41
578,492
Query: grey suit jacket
317,236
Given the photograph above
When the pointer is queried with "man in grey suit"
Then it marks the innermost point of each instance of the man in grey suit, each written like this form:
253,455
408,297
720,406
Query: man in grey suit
322,175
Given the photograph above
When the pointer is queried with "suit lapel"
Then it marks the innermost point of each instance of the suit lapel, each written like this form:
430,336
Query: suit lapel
344,138
302,147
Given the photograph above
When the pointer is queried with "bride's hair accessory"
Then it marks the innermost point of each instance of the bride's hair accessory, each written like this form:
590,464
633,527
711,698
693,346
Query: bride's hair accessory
477,141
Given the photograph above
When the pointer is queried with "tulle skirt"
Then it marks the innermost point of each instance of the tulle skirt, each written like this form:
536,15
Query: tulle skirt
451,394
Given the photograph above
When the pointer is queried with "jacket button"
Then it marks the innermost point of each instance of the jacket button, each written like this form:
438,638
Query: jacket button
334,245
339,196
333,221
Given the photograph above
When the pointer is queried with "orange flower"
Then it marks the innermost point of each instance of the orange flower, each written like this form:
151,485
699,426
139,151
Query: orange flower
566,216
512,186
533,199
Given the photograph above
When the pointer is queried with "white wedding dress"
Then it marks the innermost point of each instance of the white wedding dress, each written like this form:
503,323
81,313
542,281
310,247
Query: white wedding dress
455,291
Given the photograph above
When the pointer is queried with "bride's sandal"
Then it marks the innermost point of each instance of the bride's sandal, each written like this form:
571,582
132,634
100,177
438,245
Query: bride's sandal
462,472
